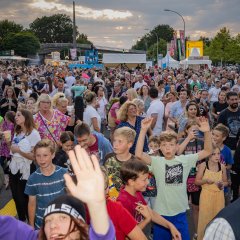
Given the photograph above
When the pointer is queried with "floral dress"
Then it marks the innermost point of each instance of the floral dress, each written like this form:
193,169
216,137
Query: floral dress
4,149
51,129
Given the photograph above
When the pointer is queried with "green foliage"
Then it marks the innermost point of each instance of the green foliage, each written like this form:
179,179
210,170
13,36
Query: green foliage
23,43
83,39
162,48
57,28
7,27
223,47
164,32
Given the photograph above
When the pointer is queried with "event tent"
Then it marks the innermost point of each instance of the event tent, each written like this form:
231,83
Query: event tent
127,59
195,62
169,62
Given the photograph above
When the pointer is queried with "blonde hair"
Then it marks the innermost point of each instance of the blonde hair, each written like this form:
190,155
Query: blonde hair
43,97
223,129
56,97
167,136
60,100
122,112
131,93
45,143
126,132
138,102
89,97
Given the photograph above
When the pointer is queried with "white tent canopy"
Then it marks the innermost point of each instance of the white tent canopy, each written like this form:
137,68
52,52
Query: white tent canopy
113,59
168,61
186,62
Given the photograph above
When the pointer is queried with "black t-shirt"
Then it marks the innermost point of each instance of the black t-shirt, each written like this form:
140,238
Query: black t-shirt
219,106
232,121
7,108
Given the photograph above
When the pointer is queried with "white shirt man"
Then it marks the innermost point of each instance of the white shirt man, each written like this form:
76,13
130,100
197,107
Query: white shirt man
139,83
156,111
70,80
213,92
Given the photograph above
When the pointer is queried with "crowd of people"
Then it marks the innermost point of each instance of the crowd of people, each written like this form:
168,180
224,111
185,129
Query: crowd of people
120,153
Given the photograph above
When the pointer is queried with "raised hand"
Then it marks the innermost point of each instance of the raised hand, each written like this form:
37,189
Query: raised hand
203,124
90,182
146,123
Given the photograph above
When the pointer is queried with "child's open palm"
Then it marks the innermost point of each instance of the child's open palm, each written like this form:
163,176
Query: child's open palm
90,182
203,124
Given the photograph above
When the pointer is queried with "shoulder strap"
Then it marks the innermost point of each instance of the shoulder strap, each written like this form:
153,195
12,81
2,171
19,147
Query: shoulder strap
219,166
207,165
47,128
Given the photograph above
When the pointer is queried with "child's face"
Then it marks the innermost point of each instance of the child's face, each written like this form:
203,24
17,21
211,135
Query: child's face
67,146
217,137
44,157
153,146
121,144
168,149
140,184
215,156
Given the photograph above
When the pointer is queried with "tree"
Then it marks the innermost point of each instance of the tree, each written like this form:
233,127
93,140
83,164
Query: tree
162,48
223,48
7,27
164,32
23,43
57,28
83,39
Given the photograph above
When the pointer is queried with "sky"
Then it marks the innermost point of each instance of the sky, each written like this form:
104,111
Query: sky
120,23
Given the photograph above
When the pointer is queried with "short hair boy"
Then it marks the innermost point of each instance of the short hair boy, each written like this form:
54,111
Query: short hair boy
45,184
123,139
219,135
171,173
93,142
135,177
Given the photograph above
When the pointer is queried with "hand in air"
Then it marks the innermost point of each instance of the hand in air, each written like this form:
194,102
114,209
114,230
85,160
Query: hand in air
90,182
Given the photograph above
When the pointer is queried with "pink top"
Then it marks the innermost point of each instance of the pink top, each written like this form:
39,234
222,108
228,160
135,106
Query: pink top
113,109
4,149
56,126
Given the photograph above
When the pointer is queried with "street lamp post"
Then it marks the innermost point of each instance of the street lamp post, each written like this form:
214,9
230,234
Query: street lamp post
157,42
168,10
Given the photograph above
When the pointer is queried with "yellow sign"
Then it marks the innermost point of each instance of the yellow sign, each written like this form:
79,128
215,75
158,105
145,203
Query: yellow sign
194,48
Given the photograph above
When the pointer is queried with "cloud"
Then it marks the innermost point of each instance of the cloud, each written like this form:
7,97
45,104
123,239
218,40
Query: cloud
118,23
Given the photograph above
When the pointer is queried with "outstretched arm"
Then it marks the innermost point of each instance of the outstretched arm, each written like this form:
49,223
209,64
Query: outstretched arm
145,125
205,128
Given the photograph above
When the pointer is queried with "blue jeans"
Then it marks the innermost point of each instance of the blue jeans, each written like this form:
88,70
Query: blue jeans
179,221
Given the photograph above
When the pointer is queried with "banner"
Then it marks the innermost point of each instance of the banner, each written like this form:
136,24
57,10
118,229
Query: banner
91,56
182,41
73,53
194,48
175,56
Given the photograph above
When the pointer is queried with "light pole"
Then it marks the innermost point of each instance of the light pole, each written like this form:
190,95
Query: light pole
146,29
168,10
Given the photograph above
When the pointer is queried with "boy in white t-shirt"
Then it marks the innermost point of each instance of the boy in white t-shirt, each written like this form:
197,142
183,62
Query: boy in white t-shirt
171,173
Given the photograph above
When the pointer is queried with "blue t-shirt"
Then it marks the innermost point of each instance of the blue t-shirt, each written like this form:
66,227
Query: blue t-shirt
227,155
46,189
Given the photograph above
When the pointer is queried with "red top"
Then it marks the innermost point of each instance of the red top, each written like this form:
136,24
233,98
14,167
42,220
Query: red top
123,222
94,148
130,203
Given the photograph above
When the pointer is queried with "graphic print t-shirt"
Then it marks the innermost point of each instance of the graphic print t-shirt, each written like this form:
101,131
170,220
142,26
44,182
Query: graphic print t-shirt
171,177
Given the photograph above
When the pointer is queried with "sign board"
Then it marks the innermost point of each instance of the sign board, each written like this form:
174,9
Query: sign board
91,56
194,48
7,53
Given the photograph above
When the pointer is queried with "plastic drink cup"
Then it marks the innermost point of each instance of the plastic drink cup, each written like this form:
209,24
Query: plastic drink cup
7,135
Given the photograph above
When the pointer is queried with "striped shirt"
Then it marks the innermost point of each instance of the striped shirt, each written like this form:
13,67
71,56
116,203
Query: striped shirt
46,189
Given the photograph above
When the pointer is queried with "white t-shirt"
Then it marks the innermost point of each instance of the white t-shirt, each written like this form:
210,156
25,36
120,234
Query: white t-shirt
70,80
89,113
138,85
25,144
213,92
156,107
102,107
